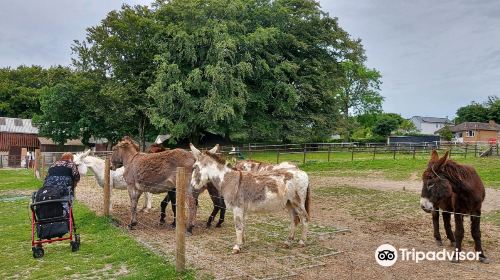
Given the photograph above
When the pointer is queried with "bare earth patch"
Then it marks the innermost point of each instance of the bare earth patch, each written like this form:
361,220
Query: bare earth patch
332,253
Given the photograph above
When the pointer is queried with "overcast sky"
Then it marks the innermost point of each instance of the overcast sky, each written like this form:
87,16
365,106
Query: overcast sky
435,56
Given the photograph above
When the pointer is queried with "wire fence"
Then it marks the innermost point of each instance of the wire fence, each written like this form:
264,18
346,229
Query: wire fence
264,255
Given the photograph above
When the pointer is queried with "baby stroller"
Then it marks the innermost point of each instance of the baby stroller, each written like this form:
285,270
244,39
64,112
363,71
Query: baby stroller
52,217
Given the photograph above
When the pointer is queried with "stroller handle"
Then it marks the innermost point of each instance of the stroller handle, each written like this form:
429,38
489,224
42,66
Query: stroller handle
32,205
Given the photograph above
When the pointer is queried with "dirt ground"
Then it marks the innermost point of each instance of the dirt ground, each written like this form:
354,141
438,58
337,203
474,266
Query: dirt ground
342,242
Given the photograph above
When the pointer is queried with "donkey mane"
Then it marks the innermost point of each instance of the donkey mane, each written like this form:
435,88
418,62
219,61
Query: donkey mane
216,157
457,173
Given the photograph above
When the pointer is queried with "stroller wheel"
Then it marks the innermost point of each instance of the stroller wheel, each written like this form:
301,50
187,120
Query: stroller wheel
37,252
75,245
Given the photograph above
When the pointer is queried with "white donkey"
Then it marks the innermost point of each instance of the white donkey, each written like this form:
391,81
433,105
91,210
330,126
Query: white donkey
255,191
116,180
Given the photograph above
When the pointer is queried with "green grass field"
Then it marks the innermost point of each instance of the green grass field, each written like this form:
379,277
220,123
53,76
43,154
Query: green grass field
105,252
403,167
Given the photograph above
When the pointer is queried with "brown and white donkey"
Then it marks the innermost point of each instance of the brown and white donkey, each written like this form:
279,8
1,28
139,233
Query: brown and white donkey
254,192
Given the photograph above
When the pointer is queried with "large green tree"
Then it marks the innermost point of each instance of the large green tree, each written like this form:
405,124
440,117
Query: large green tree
474,112
121,50
20,88
256,70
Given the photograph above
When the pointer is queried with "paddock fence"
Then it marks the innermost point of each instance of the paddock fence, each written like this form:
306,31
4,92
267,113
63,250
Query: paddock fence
326,152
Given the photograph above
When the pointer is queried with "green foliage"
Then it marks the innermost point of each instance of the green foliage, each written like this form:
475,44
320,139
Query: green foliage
446,133
20,88
476,112
260,70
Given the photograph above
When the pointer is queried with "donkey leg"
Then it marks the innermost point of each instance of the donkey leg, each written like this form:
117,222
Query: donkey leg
459,234
293,226
134,199
191,200
435,224
476,235
148,200
222,206
447,228
163,206
215,200
171,195
239,227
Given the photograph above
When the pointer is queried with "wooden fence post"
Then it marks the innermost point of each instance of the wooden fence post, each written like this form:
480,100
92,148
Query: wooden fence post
278,156
180,229
107,188
42,169
305,152
249,151
497,149
414,151
374,151
466,146
329,151
352,153
394,153
475,151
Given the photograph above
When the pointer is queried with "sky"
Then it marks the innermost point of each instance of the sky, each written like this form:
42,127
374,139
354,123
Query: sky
434,56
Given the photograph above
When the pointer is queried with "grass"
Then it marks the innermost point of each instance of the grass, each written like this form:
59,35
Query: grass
372,205
105,252
18,179
400,169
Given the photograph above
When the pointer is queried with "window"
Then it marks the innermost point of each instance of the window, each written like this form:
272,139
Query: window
471,133
459,135
18,122
2,121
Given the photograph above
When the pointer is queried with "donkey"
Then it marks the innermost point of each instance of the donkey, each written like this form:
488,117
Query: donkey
456,188
96,165
253,165
155,173
254,192
170,197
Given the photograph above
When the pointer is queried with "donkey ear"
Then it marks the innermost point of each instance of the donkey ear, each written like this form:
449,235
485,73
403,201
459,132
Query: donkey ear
214,149
196,153
442,161
434,155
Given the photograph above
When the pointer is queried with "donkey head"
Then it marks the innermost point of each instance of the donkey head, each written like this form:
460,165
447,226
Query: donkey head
120,151
207,167
436,188
78,159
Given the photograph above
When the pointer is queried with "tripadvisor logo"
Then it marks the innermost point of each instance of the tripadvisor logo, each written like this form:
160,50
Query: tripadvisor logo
387,255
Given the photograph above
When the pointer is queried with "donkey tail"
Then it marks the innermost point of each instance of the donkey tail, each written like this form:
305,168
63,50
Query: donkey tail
308,202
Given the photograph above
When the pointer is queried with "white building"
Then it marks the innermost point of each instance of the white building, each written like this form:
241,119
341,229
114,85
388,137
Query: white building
429,125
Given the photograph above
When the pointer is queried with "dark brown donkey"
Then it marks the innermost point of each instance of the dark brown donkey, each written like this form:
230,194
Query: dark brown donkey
217,200
456,188
153,173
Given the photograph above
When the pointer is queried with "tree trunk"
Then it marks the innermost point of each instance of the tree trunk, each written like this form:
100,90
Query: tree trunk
142,128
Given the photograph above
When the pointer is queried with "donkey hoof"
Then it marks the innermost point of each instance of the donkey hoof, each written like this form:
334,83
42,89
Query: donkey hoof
132,225
453,244
162,222
288,244
218,225
454,260
172,225
484,260
439,242
236,249
302,243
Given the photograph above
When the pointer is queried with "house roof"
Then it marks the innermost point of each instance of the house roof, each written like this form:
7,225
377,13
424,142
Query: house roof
48,141
433,119
492,126
15,125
